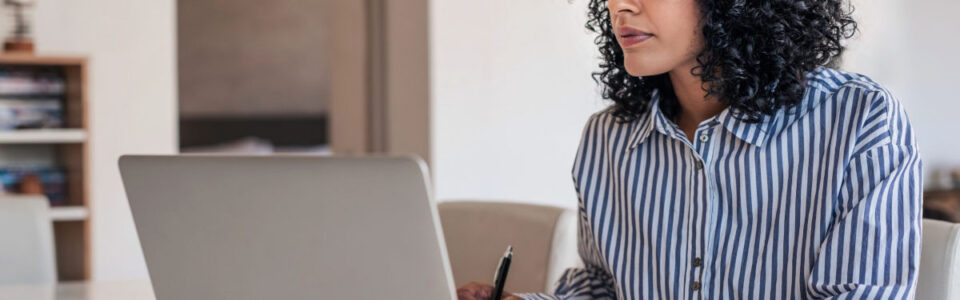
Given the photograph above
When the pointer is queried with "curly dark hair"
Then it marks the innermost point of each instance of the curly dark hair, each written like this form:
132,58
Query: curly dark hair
755,59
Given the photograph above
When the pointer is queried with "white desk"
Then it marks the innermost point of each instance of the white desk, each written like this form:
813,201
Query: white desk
107,290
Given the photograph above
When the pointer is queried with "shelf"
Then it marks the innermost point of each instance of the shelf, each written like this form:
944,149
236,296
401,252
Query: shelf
43,136
69,213
45,60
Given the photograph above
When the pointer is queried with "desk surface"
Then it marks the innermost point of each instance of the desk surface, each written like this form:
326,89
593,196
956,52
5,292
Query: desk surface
108,290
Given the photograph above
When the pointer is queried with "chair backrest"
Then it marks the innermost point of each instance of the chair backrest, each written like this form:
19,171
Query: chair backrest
26,241
939,261
478,232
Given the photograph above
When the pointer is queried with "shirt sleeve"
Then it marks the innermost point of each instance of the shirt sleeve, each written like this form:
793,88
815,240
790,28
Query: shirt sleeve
593,280
872,248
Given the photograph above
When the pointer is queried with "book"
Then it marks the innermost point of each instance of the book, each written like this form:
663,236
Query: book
30,113
31,81
52,181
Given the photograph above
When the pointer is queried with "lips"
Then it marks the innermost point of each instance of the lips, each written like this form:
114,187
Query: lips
630,36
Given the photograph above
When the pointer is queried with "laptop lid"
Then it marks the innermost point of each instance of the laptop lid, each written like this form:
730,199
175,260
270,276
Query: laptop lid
287,227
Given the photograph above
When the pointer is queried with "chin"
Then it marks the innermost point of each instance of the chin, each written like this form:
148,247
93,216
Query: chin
641,68
637,71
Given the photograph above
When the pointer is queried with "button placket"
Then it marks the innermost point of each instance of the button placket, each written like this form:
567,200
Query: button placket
704,150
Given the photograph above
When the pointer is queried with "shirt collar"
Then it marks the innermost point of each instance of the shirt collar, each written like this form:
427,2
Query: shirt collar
753,133
654,119
645,123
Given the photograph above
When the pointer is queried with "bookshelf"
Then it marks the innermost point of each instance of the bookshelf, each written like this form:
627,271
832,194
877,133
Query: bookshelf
66,148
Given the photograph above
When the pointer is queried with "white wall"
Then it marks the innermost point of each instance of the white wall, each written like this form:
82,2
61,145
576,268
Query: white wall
511,91
132,105
911,47
933,44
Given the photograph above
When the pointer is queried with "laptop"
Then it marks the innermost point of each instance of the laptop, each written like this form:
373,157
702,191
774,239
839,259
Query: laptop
287,227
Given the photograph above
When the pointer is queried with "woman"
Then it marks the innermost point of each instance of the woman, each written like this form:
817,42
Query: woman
733,164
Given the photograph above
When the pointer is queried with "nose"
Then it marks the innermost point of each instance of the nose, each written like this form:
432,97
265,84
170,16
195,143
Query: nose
621,7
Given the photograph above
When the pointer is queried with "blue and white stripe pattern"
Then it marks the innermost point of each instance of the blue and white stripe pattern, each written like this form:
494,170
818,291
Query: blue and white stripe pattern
819,201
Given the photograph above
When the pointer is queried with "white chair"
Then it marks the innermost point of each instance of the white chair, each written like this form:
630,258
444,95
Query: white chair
26,241
939,262
477,233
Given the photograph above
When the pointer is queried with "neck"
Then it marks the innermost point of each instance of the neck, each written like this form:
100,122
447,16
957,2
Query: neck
696,105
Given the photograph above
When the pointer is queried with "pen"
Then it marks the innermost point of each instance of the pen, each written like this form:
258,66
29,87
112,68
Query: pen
500,277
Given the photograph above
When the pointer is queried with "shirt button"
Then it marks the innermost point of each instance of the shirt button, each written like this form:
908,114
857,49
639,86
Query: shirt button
699,165
704,138
695,286
697,262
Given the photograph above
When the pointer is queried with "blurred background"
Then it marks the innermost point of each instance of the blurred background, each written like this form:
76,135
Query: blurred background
492,94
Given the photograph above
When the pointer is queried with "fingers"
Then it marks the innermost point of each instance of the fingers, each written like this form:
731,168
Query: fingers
509,296
475,291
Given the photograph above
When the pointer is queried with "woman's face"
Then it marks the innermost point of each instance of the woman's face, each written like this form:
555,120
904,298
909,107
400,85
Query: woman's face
657,36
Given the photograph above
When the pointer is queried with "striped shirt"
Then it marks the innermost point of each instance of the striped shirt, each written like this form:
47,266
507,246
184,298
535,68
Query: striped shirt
818,201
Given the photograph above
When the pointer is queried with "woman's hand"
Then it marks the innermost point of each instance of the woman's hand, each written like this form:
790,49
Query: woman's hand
480,291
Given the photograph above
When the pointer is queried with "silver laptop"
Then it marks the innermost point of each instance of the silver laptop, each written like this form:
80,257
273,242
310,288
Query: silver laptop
287,227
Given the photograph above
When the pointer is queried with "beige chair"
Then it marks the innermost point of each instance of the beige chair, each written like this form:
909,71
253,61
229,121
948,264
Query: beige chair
477,233
26,241
939,262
